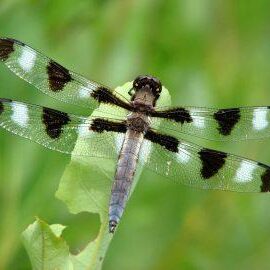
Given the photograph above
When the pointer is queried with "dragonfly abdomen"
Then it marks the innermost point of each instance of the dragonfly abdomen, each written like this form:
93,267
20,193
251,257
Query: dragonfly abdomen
126,167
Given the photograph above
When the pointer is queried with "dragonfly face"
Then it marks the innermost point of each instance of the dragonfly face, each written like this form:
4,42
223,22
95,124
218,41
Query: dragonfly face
149,82
152,135
147,91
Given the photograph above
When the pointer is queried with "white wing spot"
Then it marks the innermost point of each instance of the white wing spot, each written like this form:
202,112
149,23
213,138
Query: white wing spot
84,92
83,130
27,59
245,171
20,114
182,155
198,122
260,119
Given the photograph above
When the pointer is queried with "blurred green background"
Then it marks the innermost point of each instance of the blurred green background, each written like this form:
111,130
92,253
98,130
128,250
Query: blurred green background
207,53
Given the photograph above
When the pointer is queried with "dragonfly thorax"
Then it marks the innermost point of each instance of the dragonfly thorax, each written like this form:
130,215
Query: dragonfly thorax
138,122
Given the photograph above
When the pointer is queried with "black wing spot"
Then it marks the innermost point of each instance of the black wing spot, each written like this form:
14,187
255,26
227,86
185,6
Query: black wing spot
227,119
212,162
169,142
58,75
6,48
1,107
265,187
100,125
181,115
2,101
54,121
104,95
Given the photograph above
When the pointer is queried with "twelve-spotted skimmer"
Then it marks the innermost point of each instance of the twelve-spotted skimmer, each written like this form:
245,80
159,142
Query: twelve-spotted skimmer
164,152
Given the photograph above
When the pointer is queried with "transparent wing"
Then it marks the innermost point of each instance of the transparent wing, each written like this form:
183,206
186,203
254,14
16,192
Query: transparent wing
203,168
216,124
56,130
48,76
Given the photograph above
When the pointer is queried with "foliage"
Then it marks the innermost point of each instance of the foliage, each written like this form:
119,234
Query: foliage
208,53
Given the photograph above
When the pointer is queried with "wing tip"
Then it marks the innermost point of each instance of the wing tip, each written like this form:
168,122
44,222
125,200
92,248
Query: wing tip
6,48
267,167
5,100
10,40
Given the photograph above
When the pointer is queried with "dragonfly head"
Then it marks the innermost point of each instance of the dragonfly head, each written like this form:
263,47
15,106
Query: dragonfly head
147,84
147,81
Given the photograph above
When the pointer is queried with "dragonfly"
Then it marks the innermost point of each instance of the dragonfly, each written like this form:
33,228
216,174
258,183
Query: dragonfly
148,134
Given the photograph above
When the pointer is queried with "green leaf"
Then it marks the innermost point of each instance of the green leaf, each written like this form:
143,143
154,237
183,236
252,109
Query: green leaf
85,186
46,249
